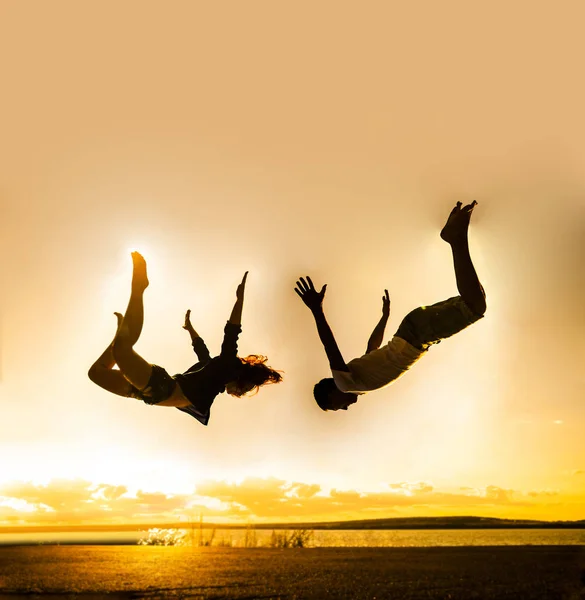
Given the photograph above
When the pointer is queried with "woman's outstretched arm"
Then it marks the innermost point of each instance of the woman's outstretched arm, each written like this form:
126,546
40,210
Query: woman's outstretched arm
232,330
236,316
196,340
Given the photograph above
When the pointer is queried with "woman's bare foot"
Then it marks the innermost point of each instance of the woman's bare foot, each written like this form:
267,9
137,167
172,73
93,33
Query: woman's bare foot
120,318
121,330
139,278
123,333
455,229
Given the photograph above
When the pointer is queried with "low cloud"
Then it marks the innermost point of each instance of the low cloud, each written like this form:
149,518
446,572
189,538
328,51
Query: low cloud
543,493
81,502
411,488
263,499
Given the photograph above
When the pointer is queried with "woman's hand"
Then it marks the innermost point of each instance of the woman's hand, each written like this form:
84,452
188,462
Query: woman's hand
187,325
236,316
242,287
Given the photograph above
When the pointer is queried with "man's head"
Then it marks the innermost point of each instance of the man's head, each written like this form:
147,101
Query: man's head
329,397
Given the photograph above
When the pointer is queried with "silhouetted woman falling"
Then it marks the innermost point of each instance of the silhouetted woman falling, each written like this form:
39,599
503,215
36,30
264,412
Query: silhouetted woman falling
194,390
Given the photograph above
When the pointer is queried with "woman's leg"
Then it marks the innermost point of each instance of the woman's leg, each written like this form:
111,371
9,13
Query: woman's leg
134,316
102,371
132,366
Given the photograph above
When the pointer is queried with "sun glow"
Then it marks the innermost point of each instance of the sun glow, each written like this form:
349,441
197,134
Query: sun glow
206,186
20,505
116,288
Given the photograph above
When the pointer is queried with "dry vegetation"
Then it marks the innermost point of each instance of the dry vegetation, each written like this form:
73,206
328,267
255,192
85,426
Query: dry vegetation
200,537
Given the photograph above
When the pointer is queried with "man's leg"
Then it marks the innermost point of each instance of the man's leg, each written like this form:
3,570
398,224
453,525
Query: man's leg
133,367
455,233
102,371
428,325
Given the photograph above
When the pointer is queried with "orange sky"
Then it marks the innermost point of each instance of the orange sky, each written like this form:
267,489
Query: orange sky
284,140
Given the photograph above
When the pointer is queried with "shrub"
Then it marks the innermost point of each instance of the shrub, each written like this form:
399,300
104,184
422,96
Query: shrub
298,538
163,537
250,538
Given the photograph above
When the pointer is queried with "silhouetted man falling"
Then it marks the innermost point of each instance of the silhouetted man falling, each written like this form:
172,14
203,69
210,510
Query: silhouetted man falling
420,329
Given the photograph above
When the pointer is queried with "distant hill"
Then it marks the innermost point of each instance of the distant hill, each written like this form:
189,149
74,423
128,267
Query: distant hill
463,522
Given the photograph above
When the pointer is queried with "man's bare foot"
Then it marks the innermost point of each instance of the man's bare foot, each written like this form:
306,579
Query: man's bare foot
455,229
139,278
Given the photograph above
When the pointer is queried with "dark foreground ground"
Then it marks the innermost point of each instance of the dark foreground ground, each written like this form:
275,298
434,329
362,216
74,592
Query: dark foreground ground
136,572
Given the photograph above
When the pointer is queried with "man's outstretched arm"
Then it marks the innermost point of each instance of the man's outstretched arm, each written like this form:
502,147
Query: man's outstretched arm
314,301
377,336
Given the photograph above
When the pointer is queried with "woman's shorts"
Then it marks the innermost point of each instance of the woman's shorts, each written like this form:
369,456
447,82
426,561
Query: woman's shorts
428,325
160,387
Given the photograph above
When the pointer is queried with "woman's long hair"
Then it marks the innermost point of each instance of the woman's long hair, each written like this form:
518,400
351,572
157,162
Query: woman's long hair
254,374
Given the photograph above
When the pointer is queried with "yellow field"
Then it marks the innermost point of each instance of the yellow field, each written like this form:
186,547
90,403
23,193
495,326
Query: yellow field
526,572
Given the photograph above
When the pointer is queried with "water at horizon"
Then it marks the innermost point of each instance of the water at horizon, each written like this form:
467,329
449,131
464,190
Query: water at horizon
331,538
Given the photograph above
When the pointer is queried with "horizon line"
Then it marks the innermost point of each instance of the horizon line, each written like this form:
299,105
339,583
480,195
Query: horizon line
446,522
